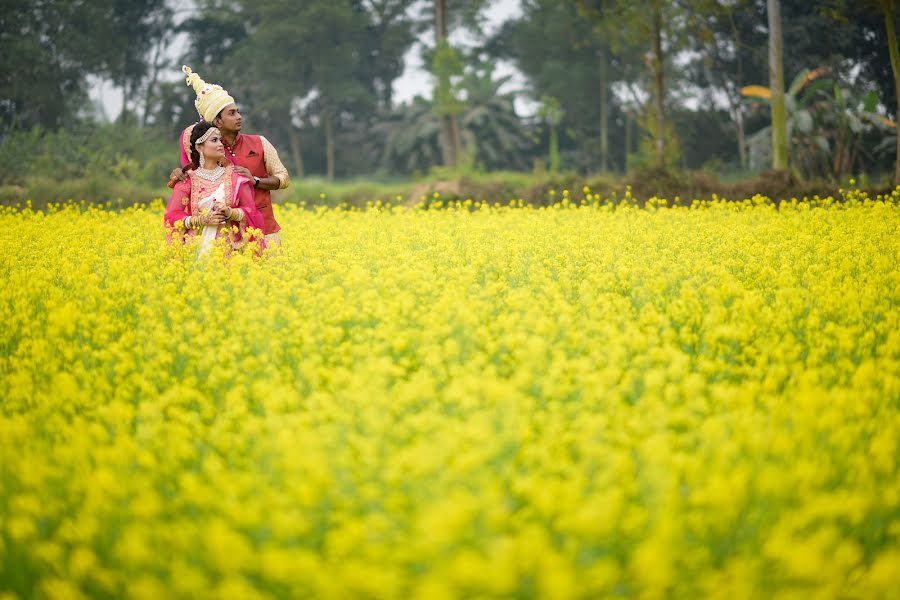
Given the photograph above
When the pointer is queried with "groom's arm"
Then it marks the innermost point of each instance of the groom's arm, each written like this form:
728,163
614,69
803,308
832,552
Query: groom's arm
277,178
176,176
274,166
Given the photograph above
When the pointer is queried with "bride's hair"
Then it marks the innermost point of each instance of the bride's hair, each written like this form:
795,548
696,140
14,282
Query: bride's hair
199,130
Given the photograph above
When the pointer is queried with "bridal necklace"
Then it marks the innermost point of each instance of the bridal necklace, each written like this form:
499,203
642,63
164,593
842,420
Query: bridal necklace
210,175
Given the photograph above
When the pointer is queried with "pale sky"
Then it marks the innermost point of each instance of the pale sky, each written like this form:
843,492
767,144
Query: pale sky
414,81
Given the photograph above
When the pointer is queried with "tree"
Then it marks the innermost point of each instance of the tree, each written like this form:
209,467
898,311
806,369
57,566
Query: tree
551,112
797,109
566,55
390,34
718,34
342,58
658,28
888,7
659,84
336,65
828,126
605,27
776,84
50,49
495,136
446,64
411,138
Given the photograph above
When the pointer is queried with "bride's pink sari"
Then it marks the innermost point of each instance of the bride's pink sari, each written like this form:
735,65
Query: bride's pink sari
192,196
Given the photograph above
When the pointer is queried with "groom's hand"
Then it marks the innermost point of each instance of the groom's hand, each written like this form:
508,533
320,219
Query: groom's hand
176,176
244,171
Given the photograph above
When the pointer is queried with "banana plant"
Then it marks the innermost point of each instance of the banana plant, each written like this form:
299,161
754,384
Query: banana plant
797,106
826,125
845,125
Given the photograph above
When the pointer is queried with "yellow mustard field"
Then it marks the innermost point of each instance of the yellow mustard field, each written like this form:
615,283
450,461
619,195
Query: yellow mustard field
582,401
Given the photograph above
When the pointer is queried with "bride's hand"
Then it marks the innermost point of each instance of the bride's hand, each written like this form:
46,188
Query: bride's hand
212,218
222,209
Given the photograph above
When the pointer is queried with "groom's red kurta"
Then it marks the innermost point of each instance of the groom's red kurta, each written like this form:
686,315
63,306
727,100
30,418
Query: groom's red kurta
247,152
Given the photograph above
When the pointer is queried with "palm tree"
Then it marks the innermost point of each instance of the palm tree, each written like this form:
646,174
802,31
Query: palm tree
493,135
411,138
490,125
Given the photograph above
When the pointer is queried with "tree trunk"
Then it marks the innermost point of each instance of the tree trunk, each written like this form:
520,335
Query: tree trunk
456,140
154,79
440,21
450,138
554,150
776,85
294,138
659,86
329,145
738,118
736,99
741,138
447,149
628,142
888,8
123,115
604,113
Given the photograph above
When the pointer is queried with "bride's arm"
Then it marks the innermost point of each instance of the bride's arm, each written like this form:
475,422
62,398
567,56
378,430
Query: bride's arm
178,208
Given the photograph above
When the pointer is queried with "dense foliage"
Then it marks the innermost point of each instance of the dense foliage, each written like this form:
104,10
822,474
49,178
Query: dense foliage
318,79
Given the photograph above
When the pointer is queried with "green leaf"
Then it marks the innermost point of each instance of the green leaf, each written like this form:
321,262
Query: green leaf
813,89
870,102
879,121
804,121
798,82
822,142
790,104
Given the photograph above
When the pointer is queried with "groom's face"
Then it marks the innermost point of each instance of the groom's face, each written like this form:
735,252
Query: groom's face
229,119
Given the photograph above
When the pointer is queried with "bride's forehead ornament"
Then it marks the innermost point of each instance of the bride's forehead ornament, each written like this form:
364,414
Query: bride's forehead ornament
209,133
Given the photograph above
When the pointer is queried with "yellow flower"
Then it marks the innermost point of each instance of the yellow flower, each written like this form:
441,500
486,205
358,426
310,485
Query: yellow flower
582,400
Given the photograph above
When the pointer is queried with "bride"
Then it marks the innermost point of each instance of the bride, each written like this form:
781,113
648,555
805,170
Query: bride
215,201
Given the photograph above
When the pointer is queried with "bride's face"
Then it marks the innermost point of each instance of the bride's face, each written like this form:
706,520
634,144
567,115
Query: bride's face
212,148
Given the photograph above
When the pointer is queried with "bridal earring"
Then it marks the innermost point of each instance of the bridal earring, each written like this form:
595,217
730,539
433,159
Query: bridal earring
202,161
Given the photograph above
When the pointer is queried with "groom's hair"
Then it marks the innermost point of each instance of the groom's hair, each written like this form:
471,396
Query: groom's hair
199,131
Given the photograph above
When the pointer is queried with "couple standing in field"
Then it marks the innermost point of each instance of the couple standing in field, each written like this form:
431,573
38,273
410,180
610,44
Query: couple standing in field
223,188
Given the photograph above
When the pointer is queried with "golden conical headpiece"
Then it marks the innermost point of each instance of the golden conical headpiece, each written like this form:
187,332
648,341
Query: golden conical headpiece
211,98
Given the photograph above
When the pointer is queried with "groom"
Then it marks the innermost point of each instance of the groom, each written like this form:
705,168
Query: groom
252,155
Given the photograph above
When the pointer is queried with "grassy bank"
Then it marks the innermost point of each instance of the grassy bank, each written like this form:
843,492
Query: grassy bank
535,189
543,189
